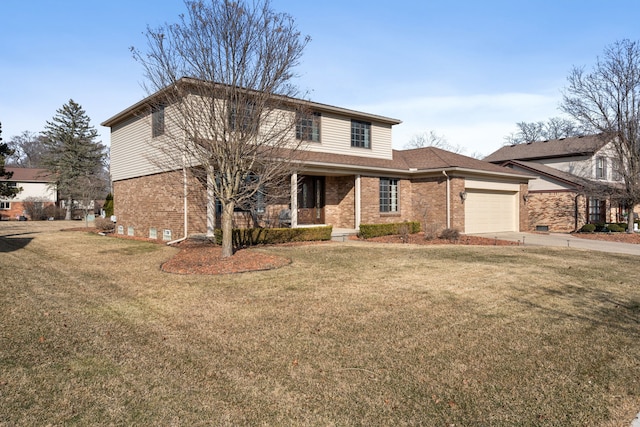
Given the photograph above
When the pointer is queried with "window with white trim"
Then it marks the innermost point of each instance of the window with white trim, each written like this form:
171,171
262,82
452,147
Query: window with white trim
360,134
388,195
308,127
157,120
601,168
5,205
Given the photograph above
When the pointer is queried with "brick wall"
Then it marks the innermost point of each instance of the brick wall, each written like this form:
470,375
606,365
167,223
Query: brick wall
340,201
157,201
555,210
370,202
18,209
429,201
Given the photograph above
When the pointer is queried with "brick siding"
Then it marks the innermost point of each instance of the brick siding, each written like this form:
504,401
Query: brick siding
156,201
340,201
557,211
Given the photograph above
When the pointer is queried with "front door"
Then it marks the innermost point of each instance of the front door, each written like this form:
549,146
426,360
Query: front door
311,200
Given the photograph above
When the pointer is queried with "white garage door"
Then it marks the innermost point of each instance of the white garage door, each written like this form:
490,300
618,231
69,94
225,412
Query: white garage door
490,211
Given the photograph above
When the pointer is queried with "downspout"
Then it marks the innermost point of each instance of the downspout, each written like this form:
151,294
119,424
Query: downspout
577,212
358,202
185,204
448,198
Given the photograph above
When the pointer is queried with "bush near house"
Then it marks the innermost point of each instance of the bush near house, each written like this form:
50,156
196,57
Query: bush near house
262,236
368,231
604,228
104,224
588,228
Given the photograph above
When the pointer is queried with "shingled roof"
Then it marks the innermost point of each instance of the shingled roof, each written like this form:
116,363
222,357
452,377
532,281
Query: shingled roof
432,158
28,175
418,160
548,171
563,147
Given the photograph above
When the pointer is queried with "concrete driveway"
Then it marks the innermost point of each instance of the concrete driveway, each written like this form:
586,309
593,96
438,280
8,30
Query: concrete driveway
565,240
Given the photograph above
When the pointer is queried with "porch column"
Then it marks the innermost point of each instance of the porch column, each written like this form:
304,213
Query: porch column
358,196
211,205
294,200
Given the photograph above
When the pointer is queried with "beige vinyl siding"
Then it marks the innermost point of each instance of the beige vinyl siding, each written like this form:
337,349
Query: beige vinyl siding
335,137
132,151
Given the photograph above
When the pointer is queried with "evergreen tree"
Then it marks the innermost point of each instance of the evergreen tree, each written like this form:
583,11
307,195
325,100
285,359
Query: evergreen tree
73,155
5,190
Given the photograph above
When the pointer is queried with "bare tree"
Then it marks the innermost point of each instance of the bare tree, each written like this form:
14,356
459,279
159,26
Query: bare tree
606,100
224,74
553,128
432,139
29,149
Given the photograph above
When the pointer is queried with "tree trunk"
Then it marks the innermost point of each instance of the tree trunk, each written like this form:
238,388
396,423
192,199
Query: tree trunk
68,214
630,219
227,230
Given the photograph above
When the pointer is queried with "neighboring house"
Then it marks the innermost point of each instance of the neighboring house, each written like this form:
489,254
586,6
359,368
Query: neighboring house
575,184
36,187
350,175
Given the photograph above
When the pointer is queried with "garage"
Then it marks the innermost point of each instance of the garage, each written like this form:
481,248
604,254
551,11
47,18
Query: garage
488,211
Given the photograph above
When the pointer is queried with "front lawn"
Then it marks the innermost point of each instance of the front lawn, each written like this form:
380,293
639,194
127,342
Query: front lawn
93,333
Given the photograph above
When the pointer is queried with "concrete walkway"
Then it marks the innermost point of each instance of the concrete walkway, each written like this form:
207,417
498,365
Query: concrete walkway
565,240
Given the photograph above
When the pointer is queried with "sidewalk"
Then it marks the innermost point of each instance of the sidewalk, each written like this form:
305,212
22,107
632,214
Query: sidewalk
565,240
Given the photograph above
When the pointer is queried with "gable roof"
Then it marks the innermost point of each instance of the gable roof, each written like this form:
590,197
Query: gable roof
28,175
563,147
314,106
413,162
550,172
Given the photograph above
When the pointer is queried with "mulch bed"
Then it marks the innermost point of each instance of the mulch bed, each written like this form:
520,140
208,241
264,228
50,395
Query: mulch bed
197,257
611,237
419,239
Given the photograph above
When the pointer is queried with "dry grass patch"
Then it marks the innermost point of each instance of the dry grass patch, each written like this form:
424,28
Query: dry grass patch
348,334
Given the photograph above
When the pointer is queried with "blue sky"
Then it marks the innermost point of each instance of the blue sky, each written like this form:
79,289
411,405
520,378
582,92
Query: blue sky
468,70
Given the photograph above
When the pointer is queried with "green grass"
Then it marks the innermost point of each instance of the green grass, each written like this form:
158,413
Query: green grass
348,334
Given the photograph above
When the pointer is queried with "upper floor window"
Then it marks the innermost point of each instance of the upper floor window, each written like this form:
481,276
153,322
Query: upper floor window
308,127
360,134
616,171
157,120
241,116
601,168
388,195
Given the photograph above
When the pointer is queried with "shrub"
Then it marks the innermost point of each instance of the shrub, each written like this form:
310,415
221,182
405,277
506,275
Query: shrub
450,234
368,231
601,227
431,231
108,205
588,228
35,208
615,228
104,224
263,236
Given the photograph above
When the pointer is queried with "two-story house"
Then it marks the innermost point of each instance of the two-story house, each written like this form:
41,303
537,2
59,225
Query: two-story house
575,184
36,185
350,175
